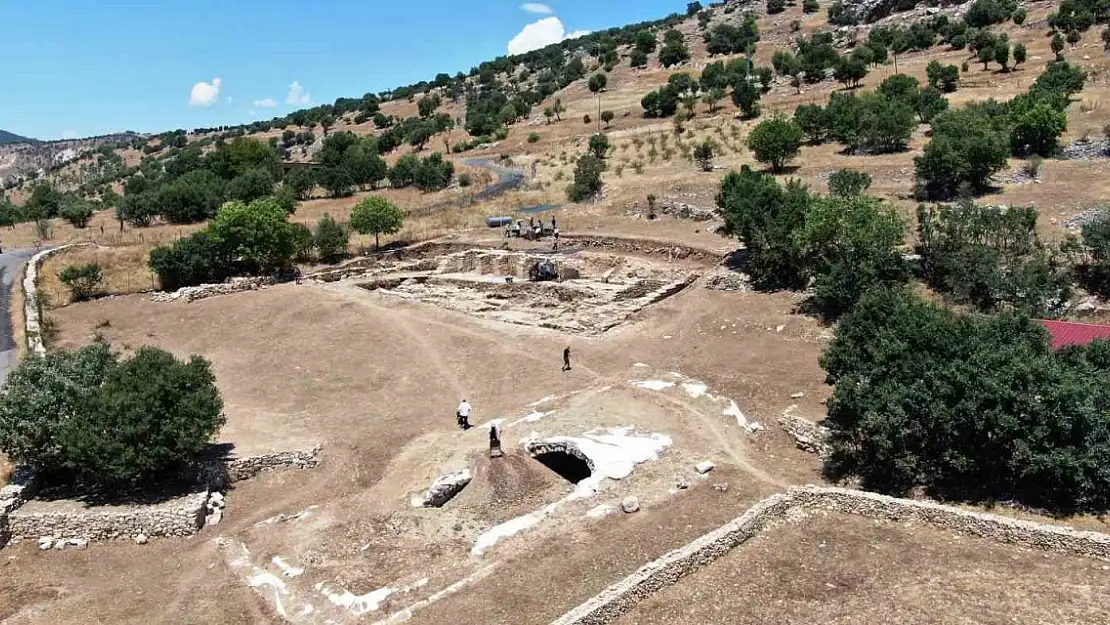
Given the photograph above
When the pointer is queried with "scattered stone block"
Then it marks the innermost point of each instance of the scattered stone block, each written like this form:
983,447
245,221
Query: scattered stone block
705,467
141,539
630,505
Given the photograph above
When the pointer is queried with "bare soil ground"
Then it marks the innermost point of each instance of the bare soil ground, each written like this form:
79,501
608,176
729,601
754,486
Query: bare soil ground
832,568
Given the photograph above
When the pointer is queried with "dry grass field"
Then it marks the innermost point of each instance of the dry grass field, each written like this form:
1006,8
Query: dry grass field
374,378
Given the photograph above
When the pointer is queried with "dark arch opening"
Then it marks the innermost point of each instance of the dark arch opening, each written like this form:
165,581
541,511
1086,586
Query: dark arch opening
569,467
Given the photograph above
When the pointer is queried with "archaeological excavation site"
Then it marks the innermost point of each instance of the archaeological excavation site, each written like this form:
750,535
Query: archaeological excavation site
758,312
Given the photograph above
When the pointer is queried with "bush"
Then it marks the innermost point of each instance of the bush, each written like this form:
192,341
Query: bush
587,178
661,103
255,236
849,182
1002,416
775,141
776,6
86,414
376,216
703,154
331,239
83,280
1037,129
810,6
532,138
586,119
1019,16
303,242
746,97
195,259
991,258
434,173
465,180
607,117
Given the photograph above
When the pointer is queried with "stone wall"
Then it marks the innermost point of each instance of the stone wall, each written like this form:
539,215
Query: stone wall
31,320
807,435
202,291
22,485
182,516
646,247
219,474
621,597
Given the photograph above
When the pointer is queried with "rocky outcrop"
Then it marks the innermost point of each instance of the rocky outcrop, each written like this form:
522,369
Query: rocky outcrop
202,291
443,489
1076,222
807,435
1087,149
687,211
623,596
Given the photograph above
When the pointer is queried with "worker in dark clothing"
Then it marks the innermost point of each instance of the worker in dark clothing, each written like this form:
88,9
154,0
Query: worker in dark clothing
566,359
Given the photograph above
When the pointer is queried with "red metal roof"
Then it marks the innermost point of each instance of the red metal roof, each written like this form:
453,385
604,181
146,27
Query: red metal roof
1067,333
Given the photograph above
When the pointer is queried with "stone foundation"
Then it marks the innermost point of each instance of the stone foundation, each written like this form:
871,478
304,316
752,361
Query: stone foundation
202,291
182,516
621,597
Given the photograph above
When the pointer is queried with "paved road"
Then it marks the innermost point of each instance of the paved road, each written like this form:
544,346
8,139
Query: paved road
10,262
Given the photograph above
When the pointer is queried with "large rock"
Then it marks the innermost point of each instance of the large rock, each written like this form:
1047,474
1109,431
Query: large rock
630,505
443,489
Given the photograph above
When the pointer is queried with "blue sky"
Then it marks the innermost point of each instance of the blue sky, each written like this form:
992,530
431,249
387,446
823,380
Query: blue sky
85,67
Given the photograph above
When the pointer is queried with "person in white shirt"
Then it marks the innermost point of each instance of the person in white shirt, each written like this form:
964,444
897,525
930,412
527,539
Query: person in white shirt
463,415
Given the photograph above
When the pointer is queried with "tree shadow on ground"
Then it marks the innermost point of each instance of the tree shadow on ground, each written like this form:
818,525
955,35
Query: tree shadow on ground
207,472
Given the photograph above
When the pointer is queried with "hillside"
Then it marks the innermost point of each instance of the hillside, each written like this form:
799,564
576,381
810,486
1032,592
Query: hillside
7,138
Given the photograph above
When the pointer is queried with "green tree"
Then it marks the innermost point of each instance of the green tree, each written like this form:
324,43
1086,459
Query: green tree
599,145
1037,129
638,58
587,178
645,42
428,105
336,181
967,147
930,103
703,154
674,50
597,83
1094,270
986,55
151,414
1057,46
256,234
76,211
945,77
776,6
810,6
1019,54
766,217
607,117
433,173
850,245
991,258
850,71
403,172
331,238
813,121
746,97
849,182
303,242
712,97
301,180
1002,54
377,216
775,141
83,280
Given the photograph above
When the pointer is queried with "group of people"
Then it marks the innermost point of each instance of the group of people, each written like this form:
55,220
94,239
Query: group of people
462,413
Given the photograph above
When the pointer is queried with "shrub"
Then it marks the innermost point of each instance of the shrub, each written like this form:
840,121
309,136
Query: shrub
703,154
465,180
331,238
810,6
587,178
1037,129
586,119
533,137
377,216
303,242
967,147
849,182
255,236
746,97
1032,167
195,259
433,173
1019,16
1094,271
946,78
776,6
775,141
87,414
607,117
83,280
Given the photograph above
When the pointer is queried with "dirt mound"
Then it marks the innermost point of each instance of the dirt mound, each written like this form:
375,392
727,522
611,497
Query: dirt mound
509,486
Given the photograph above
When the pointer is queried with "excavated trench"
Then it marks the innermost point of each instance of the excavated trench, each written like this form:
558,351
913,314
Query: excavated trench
571,468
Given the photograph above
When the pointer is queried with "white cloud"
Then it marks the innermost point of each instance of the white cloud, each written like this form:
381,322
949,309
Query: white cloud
205,93
69,134
297,95
541,33
536,7
578,33
265,103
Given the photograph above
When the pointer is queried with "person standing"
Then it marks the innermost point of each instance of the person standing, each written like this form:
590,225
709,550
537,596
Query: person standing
566,359
463,415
